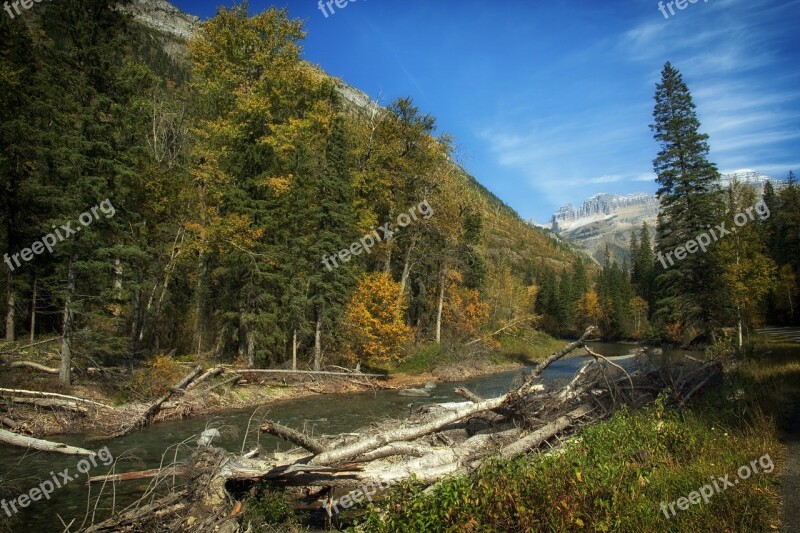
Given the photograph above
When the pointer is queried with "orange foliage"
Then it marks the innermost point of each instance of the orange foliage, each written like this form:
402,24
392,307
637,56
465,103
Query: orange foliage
374,322
464,313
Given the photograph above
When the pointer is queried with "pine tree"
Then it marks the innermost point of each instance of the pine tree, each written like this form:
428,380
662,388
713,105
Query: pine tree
689,203
645,266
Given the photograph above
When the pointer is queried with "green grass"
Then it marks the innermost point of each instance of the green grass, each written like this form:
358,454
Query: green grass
614,476
427,358
534,346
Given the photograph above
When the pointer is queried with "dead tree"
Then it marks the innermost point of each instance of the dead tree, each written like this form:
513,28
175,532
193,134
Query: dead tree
438,440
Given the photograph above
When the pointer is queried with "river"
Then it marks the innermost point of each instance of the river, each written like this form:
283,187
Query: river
144,449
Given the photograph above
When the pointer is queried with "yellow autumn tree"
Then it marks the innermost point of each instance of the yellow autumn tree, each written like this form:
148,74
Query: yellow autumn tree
374,322
589,309
464,313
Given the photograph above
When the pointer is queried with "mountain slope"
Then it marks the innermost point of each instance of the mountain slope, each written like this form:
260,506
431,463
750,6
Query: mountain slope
506,234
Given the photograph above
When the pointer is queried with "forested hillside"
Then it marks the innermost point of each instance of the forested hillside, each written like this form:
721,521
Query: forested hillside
221,197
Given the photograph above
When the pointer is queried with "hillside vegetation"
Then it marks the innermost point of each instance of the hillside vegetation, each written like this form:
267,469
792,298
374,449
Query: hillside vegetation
245,202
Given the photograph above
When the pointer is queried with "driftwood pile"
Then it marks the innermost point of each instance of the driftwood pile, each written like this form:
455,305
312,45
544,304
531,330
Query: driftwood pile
438,440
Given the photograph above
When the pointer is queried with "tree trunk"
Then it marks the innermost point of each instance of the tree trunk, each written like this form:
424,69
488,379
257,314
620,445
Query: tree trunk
65,372
116,285
246,345
52,404
39,394
407,266
439,309
251,349
134,342
33,310
739,326
200,303
14,439
294,350
318,343
11,307
154,407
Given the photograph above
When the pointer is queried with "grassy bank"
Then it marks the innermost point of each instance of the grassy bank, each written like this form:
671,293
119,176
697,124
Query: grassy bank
615,475
533,346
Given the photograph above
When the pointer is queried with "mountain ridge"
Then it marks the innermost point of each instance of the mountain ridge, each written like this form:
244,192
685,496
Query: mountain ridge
607,219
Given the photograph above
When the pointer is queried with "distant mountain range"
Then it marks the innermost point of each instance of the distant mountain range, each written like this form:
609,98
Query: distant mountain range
608,219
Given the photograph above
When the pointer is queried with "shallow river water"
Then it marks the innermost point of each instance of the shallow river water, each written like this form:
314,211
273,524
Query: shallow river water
144,449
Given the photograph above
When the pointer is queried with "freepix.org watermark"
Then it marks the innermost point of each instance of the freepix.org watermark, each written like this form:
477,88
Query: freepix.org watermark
357,496
704,240
26,4
49,241
368,241
48,486
680,4
341,4
720,484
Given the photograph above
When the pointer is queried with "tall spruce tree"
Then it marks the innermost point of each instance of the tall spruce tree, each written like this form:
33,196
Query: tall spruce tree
690,202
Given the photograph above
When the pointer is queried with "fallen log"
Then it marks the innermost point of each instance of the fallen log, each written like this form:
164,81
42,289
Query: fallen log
536,372
15,439
7,422
145,418
235,379
33,366
309,373
156,405
304,441
403,434
437,440
216,371
536,438
468,394
177,470
52,404
39,394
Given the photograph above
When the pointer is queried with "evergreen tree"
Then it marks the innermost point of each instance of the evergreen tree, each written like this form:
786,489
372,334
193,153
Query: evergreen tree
645,266
688,193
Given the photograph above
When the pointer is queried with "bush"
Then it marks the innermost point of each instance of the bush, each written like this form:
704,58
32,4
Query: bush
156,378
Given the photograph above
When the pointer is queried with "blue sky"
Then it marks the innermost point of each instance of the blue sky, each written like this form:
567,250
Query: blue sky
550,101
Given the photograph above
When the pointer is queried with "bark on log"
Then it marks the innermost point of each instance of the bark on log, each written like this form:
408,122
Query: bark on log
397,448
468,394
154,407
304,441
7,422
544,433
404,434
33,366
528,385
15,439
235,379
208,375
52,404
39,394
310,372
140,474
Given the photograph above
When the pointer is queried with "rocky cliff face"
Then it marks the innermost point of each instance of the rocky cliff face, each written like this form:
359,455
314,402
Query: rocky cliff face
602,207
608,219
164,17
